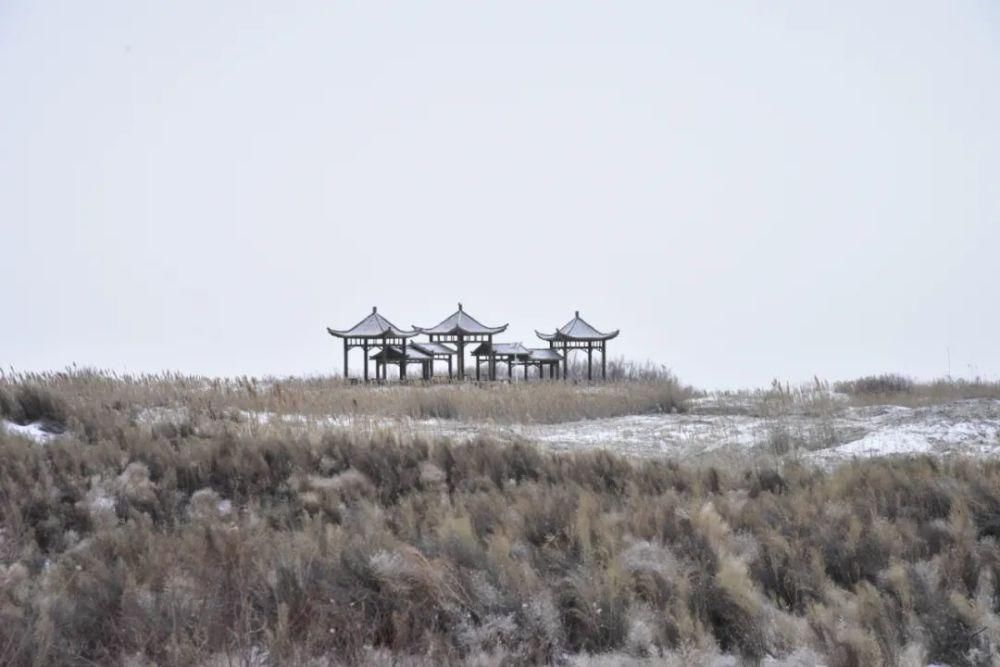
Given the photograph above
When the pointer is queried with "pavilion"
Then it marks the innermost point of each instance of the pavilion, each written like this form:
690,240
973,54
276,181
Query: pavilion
438,352
577,334
461,328
507,353
373,332
514,354
392,354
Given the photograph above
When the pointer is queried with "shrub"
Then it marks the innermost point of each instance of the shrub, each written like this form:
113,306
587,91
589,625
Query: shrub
886,383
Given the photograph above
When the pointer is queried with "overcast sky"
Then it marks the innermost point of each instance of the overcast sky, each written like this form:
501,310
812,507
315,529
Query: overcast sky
746,190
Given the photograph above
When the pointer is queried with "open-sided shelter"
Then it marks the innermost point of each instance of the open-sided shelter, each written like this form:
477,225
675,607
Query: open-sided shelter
507,353
437,352
372,332
461,328
543,357
577,334
392,354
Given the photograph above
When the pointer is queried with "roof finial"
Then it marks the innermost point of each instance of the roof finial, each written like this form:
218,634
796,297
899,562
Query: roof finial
460,305
374,309
578,313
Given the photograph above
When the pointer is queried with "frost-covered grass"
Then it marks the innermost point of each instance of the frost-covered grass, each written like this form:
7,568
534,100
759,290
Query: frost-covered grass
143,545
89,391
195,522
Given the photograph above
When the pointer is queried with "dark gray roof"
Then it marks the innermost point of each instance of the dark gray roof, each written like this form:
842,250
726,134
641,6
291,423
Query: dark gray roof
393,353
433,348
503,349
544,354
460,322
373,326
577,329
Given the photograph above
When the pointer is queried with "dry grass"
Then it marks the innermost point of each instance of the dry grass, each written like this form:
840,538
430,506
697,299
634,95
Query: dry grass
542,402
129,543
192,540
894,389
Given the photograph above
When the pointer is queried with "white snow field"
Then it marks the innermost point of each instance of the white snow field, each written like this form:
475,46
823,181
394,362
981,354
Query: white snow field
713,431
707,433
970,428
34,431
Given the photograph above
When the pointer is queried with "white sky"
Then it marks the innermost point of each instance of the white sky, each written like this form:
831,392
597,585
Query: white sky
747,190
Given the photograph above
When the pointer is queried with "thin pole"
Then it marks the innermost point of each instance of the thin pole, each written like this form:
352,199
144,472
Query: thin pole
590,361
604,360
364,347
345,358
491,369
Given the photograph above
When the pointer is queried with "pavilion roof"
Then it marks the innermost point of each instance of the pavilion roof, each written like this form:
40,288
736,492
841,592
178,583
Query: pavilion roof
432,348
544,354
394,353
460,323
502,349
577,329
373,326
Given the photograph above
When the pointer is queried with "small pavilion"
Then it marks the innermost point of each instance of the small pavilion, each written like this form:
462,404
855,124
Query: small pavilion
461,328
437,352
373,332
507,353
516,354
577,334
392,354
543,357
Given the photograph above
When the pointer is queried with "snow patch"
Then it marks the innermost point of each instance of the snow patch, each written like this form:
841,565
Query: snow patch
34,431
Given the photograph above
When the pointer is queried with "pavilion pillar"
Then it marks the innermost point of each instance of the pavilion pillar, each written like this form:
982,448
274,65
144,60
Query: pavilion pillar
604,360
461,358
491,368
478,364
346,348
590,362
449,366
510,368
565,362
526,370
364,348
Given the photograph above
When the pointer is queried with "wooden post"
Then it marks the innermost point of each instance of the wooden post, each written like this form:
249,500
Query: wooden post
345,358
402,364
449,366
491,368
565,362
461,358
526,370
478,364
590,361
604,360
364,347
510,367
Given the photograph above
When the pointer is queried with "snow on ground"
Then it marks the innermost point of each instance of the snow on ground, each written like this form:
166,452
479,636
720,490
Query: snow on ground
961,427
33,431
714,430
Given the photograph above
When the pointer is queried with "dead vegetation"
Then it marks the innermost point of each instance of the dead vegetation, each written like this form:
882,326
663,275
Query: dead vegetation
125,543
187,538
640,389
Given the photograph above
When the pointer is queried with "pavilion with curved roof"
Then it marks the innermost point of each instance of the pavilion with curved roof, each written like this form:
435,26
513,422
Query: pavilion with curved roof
578,334
461,328
374,331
